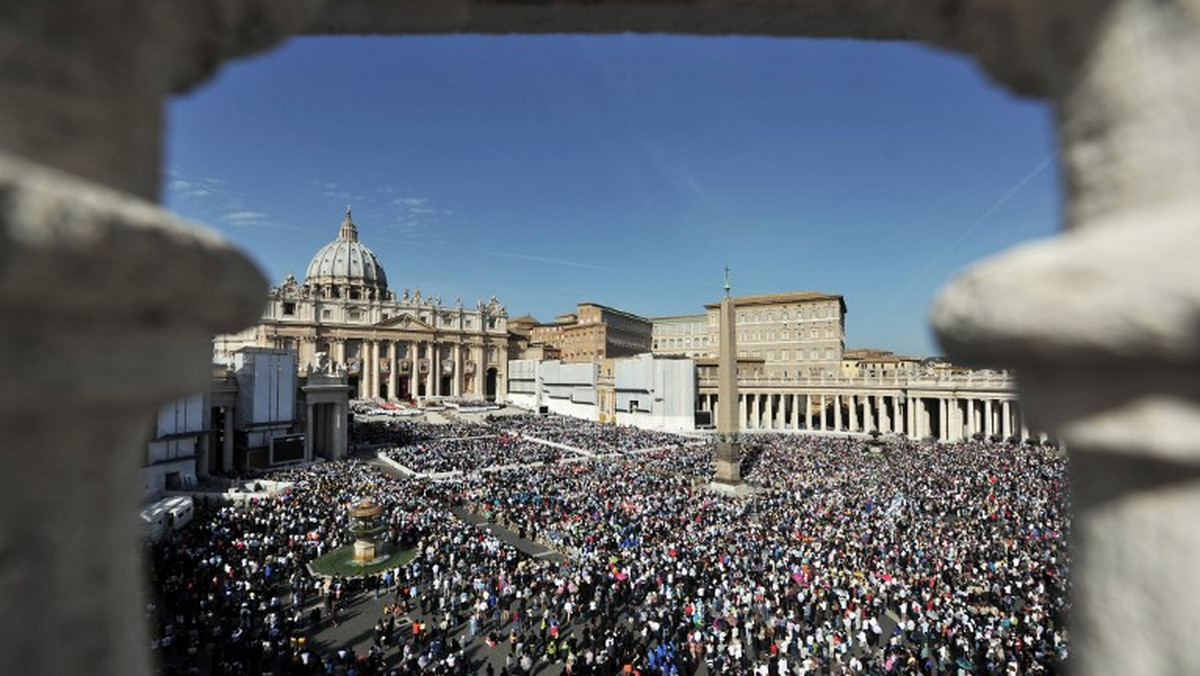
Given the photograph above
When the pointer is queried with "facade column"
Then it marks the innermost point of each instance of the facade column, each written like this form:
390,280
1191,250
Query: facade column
393,369
477,351
373,369
431,377
1005,419
375,374
339,352
780,411
364,369
868,414
837,412
821,415
808,411
414,384
795,411
743,415
370,365
852,412
435,368
456,381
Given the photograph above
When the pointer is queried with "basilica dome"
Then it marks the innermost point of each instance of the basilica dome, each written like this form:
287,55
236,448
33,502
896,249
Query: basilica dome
345,263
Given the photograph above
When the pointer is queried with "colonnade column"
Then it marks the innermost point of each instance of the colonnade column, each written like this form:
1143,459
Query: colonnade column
943,419
796,411
821,415
742,409
807,411
852,410
1005,419
988,424
837,412
868,414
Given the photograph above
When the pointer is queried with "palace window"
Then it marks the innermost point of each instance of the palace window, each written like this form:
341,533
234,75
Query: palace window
289,309
326,313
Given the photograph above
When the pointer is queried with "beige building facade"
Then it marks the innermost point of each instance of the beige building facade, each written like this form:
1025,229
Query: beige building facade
390,345
593,333
881,363
681,336
795,334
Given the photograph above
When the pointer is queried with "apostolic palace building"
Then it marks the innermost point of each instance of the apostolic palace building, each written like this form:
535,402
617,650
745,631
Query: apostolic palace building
344,317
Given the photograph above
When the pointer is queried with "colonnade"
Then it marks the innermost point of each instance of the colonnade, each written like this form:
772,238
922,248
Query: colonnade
943,416
413,368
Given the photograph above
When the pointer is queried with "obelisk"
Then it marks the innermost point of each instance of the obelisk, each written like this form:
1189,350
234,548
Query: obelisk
729,456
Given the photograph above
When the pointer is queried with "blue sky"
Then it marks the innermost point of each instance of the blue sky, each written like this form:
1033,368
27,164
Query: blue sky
626,170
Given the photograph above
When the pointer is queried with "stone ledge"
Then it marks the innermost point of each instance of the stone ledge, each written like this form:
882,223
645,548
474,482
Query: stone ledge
78,252
1123,290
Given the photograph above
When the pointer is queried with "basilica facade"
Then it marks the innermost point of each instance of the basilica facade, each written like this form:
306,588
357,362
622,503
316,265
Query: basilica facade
343,318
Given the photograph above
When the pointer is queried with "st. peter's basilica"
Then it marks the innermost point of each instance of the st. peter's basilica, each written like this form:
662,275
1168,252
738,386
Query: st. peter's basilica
343,317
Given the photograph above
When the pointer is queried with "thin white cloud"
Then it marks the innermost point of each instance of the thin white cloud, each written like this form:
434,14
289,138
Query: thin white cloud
554,261
244,217
410,202
335,193
195,188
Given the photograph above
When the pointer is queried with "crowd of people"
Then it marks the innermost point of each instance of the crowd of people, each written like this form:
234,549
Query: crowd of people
589,436
406,432
474,453
919,559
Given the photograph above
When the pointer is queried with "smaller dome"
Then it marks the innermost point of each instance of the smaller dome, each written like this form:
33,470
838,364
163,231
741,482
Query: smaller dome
345,260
